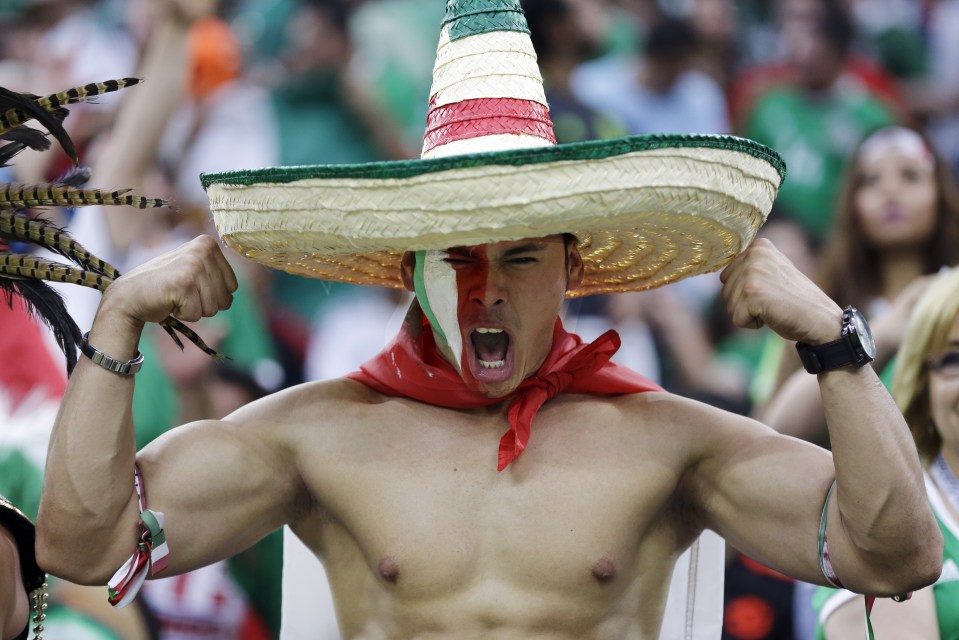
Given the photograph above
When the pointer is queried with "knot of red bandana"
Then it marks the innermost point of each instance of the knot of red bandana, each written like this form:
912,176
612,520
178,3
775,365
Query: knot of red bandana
413,368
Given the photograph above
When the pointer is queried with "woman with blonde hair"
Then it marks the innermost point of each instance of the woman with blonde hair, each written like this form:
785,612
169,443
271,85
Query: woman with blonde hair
926,389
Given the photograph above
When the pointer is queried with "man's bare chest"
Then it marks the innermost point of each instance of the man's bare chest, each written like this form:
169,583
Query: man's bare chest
417,494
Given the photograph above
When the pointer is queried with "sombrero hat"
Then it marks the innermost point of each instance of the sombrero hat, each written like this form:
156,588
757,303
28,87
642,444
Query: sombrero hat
646,210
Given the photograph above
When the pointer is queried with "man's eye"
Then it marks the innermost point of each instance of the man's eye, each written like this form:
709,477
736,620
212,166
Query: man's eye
522,260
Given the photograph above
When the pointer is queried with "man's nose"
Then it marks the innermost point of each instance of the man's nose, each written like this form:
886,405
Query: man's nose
489,291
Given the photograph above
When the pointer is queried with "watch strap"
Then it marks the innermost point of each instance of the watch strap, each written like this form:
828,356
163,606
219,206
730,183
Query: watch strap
121,367
824,357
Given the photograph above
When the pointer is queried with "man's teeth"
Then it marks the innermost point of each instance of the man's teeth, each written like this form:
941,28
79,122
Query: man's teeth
496,364
488,330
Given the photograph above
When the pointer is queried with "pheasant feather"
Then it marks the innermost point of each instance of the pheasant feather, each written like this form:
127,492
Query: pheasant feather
21,265
26,267
23,228
22,108
57,195
15,115
26,275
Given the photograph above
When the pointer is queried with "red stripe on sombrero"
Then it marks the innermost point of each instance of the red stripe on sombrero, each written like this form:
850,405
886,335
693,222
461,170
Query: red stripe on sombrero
486,116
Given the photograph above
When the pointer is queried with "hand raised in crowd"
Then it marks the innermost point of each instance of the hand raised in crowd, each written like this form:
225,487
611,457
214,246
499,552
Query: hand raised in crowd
186,11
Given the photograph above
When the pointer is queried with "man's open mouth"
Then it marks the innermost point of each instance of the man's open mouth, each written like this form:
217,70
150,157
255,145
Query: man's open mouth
491,347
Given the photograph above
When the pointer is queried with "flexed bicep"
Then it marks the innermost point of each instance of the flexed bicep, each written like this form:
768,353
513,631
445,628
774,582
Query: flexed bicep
221,486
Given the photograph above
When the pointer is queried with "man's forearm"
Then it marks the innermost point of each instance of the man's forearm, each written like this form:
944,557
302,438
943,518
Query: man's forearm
879,487
88,516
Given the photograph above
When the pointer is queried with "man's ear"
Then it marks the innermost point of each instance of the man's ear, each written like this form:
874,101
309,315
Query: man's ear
575,269
407,265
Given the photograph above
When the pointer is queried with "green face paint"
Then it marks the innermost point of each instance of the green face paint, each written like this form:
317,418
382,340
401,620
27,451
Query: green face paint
420,289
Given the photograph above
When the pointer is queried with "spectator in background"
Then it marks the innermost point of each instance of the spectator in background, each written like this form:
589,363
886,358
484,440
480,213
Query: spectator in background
563,39
933,97
324,115
716,22
190,81
815,119
218,102
926,388
897,220
69,43
396,69
768,33
659,90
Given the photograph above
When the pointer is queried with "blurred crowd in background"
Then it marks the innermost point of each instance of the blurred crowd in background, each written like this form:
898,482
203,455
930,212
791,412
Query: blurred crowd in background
243,84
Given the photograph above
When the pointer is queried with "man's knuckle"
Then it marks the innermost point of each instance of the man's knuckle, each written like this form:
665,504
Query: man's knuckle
209,248
184,279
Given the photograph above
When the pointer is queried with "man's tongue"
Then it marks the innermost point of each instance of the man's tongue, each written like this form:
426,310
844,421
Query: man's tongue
490,347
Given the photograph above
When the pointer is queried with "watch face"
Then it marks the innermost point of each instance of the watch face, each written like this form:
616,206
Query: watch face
863,331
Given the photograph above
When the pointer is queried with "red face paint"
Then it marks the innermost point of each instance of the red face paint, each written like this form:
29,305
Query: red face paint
495,305
480,317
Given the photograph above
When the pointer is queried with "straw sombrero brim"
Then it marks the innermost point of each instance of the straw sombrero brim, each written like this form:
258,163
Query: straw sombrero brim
646,210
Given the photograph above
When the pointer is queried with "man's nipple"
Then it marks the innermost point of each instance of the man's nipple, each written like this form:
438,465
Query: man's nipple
604,570
388,569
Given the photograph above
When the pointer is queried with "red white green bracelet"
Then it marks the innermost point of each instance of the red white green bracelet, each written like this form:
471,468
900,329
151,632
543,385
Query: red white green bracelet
152,554
825,565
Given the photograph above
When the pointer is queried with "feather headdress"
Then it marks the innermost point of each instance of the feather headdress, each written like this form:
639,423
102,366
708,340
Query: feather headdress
25,275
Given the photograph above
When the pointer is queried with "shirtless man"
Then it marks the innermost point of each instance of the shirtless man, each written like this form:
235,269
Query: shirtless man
421,536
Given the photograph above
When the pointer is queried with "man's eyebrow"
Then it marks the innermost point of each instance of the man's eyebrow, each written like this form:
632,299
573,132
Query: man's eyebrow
532,247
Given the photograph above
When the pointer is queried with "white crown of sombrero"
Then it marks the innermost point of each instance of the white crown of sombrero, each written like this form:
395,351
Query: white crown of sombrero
646,210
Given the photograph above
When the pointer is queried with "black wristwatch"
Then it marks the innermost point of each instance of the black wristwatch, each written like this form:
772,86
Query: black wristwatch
855,346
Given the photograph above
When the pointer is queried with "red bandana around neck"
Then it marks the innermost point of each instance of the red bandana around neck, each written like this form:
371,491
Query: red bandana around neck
412,367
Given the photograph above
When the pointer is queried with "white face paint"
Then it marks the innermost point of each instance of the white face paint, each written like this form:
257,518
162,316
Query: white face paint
439,289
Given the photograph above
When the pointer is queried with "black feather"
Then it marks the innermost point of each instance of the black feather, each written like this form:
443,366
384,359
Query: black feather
20,139
43,302
8,151
51,121
33,138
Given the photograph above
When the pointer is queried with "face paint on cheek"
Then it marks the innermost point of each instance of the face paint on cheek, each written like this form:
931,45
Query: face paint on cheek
470,283
434,282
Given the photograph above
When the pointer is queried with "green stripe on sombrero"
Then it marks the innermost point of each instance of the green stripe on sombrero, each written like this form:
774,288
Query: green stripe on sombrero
487,23
577,151
471,17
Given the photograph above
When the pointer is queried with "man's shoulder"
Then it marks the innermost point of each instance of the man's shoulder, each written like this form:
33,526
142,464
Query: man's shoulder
681,418
309,400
